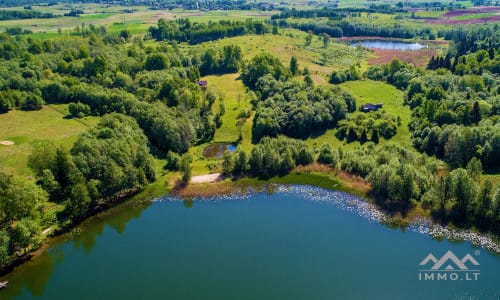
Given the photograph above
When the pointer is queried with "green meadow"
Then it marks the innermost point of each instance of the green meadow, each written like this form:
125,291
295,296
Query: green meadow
368,91
26,128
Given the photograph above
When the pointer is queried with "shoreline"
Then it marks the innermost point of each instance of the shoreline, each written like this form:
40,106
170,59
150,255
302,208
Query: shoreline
150,191
340,182
417,222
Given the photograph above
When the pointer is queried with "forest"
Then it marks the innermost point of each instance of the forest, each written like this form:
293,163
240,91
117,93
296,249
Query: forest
182,30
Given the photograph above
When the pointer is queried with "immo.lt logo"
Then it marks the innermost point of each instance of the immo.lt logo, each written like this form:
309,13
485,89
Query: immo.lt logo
449,267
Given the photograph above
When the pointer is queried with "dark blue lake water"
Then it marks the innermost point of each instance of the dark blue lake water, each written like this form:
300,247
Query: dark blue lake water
296,243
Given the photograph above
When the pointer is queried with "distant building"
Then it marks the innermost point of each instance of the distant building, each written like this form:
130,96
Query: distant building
368,107
202,83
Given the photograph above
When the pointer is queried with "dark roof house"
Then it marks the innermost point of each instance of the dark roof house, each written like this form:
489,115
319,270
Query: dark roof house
368,107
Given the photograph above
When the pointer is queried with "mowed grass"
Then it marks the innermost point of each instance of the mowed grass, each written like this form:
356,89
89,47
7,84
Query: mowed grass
369,91
235,100
25,128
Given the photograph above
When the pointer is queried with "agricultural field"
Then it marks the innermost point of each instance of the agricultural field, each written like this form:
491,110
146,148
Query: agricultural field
469,16
136,19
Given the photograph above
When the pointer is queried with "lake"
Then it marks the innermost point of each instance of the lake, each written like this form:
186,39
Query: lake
294,242
389,45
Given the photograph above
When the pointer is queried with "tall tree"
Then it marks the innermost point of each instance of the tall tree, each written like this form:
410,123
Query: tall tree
227,163
294,65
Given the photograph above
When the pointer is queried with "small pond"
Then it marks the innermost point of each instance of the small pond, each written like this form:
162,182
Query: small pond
389,45
216,150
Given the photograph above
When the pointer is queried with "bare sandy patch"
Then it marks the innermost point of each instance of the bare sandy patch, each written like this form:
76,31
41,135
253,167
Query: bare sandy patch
7,143
206,178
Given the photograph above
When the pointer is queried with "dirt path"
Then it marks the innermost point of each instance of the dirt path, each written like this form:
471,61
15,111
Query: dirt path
206,178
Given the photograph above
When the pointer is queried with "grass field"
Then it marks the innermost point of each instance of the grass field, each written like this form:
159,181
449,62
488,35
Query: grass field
25,128
319,60
137,21
235,100
368,91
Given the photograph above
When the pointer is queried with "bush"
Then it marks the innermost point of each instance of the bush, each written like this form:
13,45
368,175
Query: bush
32,102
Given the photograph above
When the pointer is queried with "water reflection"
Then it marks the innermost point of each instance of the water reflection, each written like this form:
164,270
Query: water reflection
216,150
188,203
24,277
35,274
389,45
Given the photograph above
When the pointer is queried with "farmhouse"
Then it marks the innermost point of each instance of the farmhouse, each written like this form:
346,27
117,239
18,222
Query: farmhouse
202,83
368,107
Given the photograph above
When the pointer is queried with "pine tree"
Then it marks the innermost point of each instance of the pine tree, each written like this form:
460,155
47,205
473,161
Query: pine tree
476,113
294,65
375,138
431,63
351,135
363,137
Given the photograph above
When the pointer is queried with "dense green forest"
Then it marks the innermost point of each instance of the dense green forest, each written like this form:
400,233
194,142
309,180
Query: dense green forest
182,30
23,14
291,106
454,110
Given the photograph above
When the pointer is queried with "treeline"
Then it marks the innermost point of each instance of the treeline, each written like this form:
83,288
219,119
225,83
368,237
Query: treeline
218,61
344,27
350,74
335,13
98,74
210,5
22,214
368,127
471,40
288,106
454,116
106,162
310,14
400,178
472,51
270,157
182,30
23,14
